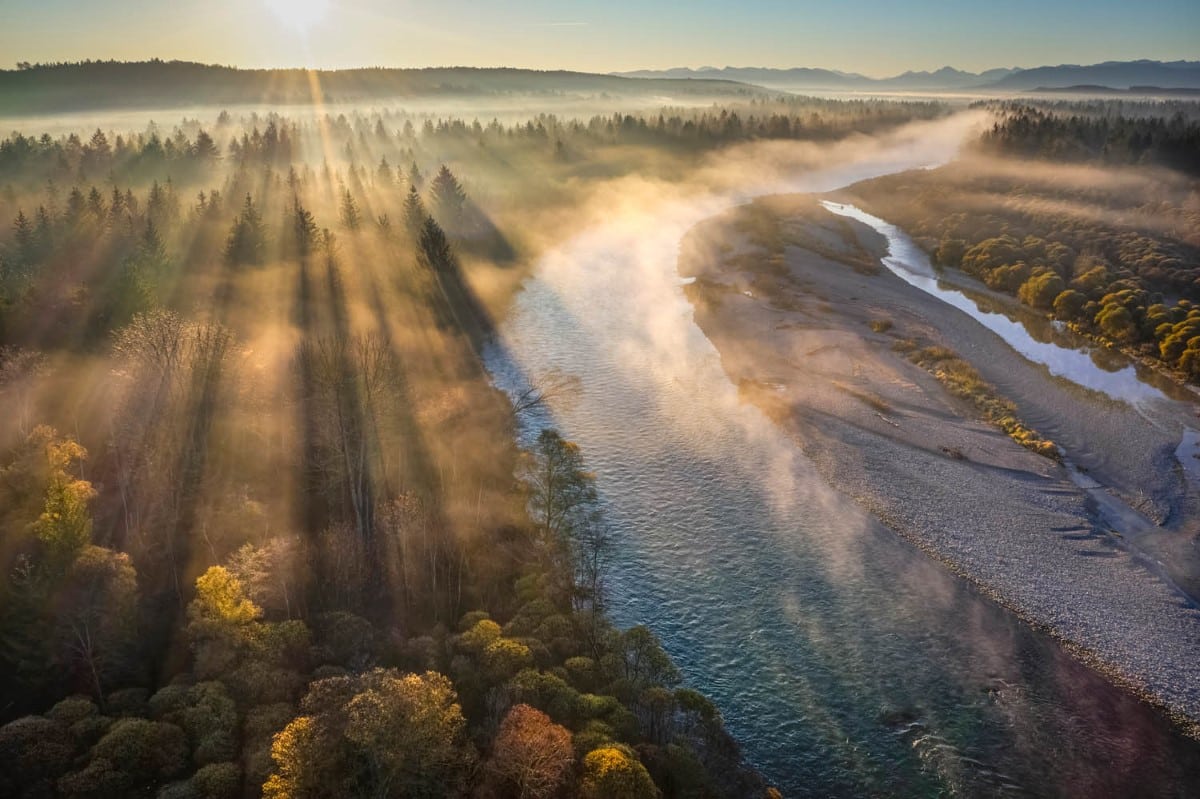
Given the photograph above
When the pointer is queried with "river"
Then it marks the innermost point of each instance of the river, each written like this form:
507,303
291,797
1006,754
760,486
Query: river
845,661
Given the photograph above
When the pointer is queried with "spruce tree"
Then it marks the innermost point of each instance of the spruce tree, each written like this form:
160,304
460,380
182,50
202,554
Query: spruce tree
304,228
447,198
414,212
433,248
384,175
24,237
351,218
247,240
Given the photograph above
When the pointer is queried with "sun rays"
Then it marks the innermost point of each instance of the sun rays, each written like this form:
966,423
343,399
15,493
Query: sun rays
300,15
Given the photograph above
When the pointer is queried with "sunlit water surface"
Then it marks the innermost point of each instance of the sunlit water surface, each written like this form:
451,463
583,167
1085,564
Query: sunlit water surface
844,660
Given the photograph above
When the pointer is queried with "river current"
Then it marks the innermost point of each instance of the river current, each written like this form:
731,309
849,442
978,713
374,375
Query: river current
844,660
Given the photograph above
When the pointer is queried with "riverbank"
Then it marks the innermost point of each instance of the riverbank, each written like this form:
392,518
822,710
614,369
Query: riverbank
805,321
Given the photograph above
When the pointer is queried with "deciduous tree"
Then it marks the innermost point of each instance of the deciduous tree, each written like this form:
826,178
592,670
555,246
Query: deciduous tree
531,755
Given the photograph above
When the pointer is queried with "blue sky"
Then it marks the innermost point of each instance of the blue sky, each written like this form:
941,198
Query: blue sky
876,37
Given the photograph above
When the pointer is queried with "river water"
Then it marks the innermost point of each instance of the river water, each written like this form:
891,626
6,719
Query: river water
1068,357
845,661
1122,381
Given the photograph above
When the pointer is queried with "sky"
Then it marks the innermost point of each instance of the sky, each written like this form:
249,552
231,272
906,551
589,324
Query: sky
873,37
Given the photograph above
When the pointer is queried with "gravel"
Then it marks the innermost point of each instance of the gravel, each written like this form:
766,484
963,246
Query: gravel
884,432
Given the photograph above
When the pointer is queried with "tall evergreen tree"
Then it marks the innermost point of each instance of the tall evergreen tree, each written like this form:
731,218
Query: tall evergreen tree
447,198
350,215
414,212
151,254
384,175
205,148
247,239
95,204
304,228
23,235
433,248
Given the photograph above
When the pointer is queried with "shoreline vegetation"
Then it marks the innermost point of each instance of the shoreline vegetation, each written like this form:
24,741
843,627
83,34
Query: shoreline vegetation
261,493
1030,210
962,380
264,523
778,310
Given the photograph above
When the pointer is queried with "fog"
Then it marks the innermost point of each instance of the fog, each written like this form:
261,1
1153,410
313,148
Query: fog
288,337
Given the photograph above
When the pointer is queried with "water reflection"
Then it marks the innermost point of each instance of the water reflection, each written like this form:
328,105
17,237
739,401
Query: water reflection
1092,367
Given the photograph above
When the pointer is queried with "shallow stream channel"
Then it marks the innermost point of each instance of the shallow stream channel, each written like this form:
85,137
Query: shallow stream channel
845,661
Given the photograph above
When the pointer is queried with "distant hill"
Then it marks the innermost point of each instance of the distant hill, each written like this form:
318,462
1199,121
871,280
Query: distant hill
944,78
1113,74
797,77
1142,91
93,85
807,78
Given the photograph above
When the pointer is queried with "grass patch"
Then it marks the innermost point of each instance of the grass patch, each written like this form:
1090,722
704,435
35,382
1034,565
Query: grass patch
880,325
961,380
774,224
869,400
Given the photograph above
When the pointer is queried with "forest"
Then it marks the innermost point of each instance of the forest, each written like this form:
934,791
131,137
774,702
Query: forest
1150,133
1106,238
157,84
264,524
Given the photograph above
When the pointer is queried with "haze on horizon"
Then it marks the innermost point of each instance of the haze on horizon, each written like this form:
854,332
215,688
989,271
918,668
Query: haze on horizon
872,37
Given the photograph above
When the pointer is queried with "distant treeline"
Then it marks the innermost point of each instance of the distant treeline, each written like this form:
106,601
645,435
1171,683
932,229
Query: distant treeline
1167,135
1114,253
368,140
91,85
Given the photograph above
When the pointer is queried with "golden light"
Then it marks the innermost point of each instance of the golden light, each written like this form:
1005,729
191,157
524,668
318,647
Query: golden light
302,15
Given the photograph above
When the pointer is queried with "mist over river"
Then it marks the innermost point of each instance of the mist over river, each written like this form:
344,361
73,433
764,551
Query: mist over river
845,661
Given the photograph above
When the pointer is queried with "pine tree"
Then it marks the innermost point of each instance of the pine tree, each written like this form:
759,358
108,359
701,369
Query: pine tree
152,254
95,203
447,198
304,228
116,205
75,206
351,218
433,249
43,233
205,148
384,175
247,240
156,202
414,212
99,147
23,234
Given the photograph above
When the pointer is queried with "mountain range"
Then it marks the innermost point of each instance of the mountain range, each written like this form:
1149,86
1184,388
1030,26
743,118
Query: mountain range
54,88
1110,74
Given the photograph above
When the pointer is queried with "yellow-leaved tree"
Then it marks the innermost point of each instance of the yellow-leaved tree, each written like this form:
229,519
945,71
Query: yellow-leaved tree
381,733
65,525
613,772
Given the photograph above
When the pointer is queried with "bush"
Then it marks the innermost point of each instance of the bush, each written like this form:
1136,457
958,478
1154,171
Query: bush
34,751
72,709
142,751
218,781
